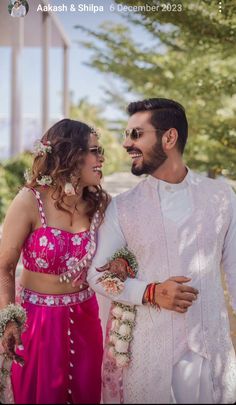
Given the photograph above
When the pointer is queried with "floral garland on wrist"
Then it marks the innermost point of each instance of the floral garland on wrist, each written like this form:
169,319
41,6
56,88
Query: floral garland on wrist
13,312
122,264
16,313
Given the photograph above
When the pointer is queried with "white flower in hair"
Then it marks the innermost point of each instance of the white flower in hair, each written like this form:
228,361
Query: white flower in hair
41,148
28,175
44,180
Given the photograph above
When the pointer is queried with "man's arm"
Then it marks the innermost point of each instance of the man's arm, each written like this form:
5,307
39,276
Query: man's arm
111,239
229,253
172,294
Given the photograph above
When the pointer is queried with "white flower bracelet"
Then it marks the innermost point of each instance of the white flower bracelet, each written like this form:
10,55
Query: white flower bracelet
13,312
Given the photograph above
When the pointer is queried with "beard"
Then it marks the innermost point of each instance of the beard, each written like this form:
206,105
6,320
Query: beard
155,159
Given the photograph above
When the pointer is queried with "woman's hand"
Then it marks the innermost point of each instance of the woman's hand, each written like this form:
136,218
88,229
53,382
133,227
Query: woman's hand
117,267
10,340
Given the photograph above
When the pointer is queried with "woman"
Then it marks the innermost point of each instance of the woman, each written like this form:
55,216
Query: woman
53,222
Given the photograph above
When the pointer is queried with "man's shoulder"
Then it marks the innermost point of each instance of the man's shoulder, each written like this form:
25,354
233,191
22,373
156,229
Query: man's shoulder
201,180
132,192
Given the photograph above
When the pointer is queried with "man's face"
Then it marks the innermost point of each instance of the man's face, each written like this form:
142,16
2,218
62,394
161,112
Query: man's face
146,152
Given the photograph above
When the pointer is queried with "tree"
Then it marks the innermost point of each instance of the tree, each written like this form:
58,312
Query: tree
115,157
190,58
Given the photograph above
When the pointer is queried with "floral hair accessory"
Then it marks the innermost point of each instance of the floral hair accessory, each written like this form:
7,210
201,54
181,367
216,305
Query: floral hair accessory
41,148
95,131
44,181
28,175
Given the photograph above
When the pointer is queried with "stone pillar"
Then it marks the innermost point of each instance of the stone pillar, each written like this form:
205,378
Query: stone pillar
46,30
16,139
65,82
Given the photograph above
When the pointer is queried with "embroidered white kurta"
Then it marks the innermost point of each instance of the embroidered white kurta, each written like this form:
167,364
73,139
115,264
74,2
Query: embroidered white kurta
168,243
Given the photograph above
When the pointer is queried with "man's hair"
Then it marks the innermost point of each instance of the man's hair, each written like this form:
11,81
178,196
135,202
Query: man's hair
166,114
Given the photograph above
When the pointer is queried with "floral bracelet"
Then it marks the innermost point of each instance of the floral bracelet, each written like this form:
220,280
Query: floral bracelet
13,312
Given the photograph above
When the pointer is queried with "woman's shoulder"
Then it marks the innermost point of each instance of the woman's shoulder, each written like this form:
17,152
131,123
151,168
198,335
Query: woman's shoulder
25,199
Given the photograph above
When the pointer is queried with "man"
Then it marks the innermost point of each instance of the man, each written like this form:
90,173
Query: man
181,226
18,10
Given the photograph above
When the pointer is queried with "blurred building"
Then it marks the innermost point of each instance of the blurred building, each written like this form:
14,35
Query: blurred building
42,30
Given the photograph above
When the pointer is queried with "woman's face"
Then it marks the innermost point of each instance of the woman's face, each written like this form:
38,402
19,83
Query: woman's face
91,171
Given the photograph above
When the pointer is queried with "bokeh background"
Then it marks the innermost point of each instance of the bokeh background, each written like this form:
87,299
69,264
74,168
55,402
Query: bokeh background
89,63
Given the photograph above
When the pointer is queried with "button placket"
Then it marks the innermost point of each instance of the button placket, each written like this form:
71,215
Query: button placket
71,350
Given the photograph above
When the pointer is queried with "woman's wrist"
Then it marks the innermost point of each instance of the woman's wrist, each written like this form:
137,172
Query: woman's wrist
12,313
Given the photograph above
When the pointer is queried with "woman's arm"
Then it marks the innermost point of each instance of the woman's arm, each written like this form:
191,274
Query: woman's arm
16,227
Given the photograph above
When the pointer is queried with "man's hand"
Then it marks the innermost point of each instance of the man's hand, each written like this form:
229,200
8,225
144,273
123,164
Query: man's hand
172,294
10,340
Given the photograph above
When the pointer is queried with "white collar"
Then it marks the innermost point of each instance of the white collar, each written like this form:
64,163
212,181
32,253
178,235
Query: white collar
188,179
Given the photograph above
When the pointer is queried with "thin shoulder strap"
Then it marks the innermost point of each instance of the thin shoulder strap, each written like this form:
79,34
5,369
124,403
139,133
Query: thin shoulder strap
40,207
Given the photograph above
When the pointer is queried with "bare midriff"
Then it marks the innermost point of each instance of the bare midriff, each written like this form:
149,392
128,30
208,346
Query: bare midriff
47,283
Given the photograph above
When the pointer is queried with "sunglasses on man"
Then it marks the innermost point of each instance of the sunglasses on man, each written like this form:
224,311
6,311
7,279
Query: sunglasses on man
136,133
97,150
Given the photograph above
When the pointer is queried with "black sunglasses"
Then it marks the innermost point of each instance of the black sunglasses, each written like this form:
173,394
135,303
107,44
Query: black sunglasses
136,133
97,150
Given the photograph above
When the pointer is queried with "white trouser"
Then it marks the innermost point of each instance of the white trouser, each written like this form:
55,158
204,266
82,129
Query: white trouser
191,380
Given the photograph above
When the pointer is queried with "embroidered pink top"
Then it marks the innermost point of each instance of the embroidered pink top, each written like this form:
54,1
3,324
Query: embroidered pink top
51,250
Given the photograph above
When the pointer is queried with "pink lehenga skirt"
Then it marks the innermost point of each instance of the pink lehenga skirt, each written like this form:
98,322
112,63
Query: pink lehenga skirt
62,350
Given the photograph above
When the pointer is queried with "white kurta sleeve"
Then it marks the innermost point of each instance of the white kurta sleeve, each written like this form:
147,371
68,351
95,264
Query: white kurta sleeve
229,253
111,239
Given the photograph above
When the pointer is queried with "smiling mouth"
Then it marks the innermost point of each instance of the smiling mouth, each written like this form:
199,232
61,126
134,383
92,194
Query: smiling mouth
98,170
135,155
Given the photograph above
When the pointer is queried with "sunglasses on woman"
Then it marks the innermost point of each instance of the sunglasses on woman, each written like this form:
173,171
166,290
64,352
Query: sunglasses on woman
136,133
97,150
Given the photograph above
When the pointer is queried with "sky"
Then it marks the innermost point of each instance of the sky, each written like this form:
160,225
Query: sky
83,80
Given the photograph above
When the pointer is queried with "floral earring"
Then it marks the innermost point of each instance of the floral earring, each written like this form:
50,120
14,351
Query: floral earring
69,189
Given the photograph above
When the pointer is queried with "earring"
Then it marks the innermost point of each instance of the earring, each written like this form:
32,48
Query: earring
69,189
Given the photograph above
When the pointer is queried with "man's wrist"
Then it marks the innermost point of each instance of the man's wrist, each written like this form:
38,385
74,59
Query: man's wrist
150,295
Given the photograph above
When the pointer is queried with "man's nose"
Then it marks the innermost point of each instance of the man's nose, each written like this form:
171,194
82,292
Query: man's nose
127,143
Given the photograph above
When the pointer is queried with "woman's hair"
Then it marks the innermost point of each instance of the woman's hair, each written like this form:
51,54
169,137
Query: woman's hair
68,140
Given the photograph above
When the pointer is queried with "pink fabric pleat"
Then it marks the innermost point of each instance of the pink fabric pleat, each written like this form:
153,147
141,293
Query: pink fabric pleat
63,355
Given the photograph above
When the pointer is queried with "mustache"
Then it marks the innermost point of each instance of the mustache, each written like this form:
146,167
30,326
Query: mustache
129,149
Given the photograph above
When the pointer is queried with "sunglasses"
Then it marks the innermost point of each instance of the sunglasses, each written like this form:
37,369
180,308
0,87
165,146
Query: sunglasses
97,150
136,133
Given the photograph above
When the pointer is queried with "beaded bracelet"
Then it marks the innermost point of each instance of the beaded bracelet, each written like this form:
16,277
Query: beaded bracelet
13,312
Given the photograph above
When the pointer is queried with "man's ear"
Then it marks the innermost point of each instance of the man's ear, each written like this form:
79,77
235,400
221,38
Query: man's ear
169,139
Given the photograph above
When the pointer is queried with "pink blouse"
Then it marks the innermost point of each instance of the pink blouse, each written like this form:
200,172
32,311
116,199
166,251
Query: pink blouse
51,250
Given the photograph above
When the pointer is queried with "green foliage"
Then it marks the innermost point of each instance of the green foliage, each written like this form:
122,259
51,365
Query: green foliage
115,157
14,172
12,179
4,195
191,58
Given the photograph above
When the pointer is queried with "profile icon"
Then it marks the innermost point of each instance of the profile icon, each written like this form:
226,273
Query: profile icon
18,8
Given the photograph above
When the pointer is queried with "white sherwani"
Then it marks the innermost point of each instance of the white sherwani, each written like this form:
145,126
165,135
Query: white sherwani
177,229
